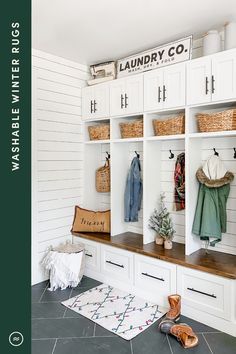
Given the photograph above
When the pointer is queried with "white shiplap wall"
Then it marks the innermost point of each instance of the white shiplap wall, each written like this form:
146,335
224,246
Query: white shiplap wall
57,151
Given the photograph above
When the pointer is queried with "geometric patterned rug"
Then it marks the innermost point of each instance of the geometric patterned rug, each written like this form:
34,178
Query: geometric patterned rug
118,311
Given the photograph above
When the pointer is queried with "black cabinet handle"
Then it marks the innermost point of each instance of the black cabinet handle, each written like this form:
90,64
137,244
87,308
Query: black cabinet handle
126,100
115,264
91,106
202,292
159,94
121,101
152,276
212,84
95,104
164,93
88,255
207,85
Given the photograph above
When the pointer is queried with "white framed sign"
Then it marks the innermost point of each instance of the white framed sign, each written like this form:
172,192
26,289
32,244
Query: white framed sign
171,53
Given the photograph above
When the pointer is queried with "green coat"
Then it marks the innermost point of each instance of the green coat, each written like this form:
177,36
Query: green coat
210,218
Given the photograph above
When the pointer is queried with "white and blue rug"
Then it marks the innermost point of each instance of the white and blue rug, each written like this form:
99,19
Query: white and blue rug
119,312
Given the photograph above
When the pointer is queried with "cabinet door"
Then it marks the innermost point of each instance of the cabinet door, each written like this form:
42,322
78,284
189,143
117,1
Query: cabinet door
134,94
223,80
117,97
101,101
153,85
199,81
174,86
88,98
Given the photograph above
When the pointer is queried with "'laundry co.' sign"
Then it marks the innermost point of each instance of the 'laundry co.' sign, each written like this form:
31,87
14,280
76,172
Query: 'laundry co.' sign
170,53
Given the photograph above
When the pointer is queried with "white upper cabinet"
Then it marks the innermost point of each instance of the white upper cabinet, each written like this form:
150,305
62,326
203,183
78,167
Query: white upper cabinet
95,101
153,90
174,86
126,96
199,81
212,78
164,88
224,76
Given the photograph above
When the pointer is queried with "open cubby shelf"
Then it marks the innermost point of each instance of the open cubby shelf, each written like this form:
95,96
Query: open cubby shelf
158,172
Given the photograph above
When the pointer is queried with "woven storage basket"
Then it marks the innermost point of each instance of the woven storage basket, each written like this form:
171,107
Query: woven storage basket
215,122
103,178
132,129
170,126
99,132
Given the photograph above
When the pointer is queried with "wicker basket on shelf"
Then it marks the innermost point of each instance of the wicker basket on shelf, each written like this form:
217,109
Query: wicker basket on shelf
103,178
170,126
132,129
215,122
99,132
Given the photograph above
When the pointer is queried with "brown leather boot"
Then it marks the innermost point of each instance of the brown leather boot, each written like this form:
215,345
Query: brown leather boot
175,306
182,332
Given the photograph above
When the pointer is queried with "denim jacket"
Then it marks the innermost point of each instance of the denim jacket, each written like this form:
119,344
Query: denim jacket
133,191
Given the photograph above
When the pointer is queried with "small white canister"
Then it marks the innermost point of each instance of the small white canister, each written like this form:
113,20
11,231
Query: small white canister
211,42
230,35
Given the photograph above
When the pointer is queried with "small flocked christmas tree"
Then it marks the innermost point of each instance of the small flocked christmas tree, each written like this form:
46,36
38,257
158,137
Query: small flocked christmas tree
161,222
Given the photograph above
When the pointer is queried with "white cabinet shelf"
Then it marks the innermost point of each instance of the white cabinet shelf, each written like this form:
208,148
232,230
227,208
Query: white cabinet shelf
166,137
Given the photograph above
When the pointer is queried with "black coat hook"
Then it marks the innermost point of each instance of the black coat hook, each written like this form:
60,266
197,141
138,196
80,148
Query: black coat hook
171,155
108,155
234,153
215,152
138,156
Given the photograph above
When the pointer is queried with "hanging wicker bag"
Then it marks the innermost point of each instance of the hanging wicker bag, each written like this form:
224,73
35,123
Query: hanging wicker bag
170,126
132,129
103,178
215,122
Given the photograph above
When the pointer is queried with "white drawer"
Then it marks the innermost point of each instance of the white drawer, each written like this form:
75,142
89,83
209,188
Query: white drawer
205,292
92,253
156,277
117,263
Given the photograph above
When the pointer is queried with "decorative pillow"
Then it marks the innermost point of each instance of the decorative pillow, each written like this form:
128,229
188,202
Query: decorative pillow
91,221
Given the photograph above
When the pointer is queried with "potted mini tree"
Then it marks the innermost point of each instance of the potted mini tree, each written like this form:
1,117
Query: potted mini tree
161,222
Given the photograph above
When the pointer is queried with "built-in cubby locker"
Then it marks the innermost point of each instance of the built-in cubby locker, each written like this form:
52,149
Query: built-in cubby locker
122,154
94,157
159,178
199,147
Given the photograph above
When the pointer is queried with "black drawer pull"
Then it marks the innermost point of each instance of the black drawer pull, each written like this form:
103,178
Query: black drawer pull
159,94
164,93
152,276
213,84
126,100
202,292
122,101
207,88
115,264
88,255
91,107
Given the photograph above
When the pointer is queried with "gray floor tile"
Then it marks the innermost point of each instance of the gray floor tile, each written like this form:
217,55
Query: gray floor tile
47,310
221,343
62,328
58,295
41,285
201,348
87,282
112,345
78,290
42,346
102,332
151,341
196,326
36,294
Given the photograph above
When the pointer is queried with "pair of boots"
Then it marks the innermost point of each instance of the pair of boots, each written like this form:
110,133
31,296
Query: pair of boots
181,331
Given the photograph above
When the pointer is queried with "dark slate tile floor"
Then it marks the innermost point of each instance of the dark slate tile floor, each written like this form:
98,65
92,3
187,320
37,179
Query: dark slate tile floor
58,330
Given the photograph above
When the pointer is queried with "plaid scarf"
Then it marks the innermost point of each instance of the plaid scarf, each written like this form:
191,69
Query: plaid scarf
179,178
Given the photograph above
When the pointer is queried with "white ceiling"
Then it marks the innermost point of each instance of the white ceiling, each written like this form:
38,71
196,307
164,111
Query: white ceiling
89,31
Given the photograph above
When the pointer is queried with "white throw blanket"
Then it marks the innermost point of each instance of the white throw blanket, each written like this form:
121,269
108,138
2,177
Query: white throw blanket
66,269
